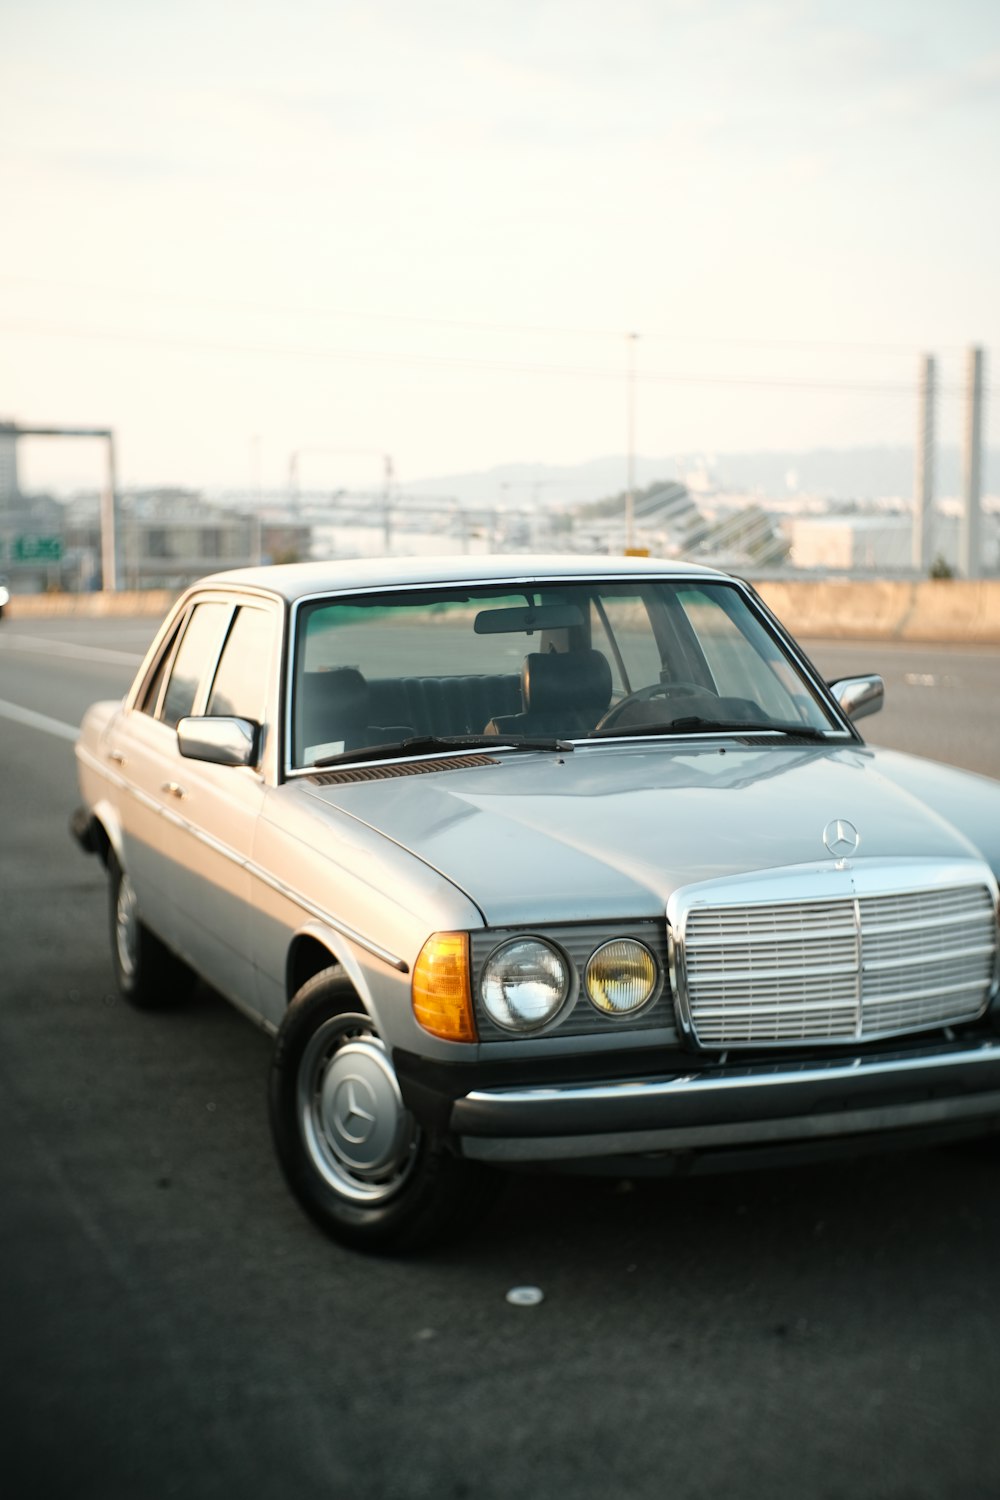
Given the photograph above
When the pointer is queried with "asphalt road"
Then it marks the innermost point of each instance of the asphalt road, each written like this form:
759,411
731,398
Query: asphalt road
173,1325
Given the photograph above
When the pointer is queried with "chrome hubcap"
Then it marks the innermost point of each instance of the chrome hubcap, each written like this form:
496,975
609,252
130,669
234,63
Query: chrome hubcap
359,1135
126,928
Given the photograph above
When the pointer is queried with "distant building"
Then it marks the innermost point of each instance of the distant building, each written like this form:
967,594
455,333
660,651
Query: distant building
880,543
850,543
167,538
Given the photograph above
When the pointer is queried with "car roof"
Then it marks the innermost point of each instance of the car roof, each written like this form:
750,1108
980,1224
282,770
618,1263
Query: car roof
298,580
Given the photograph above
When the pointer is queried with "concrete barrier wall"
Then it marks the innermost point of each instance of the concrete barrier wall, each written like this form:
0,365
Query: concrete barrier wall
127,602
948,610
952,610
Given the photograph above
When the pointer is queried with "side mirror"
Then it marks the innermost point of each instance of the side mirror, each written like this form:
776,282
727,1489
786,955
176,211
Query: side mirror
220,741
859,696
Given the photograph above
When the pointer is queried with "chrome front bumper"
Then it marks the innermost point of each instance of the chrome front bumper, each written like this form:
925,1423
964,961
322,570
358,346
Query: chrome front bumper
733,1107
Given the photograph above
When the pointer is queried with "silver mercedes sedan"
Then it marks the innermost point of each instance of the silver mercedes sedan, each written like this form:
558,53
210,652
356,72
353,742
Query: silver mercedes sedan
542,861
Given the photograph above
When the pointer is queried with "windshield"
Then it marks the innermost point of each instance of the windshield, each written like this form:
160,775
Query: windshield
563,660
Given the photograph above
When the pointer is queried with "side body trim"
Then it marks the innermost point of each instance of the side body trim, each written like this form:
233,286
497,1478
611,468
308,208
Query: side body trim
310,908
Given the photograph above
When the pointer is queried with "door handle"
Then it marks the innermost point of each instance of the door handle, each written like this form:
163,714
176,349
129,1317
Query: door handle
117,757
173,788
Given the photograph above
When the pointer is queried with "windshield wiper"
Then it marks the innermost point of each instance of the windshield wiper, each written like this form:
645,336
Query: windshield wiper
693,724
427,744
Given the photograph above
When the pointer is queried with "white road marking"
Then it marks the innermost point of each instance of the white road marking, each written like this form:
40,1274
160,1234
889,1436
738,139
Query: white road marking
931,679
37,721
65,648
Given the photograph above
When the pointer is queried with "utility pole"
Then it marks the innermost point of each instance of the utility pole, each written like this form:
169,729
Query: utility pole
923,487
387,502
630,405
293,484
969,550
109,540
258,499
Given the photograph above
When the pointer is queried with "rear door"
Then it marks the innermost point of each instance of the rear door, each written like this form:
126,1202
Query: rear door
142,749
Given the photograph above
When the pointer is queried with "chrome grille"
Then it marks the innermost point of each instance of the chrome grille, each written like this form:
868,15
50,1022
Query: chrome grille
848,968
945,975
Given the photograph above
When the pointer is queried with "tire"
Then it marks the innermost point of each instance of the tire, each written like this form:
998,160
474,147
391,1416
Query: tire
148,975
352,1154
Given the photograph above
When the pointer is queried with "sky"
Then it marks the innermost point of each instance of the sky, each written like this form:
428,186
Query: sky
428,229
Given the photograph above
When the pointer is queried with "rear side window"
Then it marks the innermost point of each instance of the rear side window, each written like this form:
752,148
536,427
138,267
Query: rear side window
195,659
620,628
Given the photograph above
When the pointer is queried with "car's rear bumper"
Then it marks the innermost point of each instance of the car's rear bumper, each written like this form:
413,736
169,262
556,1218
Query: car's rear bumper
735,1107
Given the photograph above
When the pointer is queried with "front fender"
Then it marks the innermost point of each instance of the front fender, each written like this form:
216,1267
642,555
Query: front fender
382,991
340,951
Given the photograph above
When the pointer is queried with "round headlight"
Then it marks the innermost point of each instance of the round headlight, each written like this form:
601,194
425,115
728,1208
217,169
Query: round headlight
621,977
525,982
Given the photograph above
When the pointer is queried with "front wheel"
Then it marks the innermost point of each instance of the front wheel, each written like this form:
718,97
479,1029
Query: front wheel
350,1150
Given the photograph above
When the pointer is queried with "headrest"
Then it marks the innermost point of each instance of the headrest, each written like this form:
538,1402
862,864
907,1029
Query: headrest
555,680
344,693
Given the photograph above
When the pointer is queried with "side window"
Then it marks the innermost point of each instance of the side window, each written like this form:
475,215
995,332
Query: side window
240,686
196,656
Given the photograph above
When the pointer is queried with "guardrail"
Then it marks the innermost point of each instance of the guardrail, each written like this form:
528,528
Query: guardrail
952,610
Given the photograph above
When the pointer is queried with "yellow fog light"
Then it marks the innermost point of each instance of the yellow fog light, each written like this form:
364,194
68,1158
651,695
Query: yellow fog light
621,977
441,993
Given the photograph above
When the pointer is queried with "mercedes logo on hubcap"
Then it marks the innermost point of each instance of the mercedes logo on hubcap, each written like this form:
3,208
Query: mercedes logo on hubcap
353,1120
841,838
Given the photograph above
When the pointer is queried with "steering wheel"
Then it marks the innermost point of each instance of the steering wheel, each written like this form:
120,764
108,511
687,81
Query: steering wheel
687,691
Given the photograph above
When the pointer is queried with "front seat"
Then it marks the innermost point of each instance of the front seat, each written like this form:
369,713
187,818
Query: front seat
336,711
564,693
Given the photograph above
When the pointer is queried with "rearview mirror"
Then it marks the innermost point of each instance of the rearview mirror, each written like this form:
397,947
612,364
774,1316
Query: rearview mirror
527,619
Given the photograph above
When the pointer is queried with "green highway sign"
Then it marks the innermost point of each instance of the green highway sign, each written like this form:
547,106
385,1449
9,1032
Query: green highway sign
31,549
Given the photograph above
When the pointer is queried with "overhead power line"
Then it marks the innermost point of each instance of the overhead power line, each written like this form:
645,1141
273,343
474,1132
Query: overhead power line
359,356
475,325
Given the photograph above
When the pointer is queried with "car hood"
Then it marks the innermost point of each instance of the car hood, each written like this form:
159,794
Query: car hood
612,831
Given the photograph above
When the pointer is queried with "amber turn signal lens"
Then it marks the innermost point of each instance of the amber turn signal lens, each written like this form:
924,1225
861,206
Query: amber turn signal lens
442,994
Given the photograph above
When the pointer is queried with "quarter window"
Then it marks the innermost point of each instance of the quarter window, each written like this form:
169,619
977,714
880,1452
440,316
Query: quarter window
151,693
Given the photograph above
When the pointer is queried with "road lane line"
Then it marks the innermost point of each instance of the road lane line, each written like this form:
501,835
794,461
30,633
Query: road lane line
28,716
64,648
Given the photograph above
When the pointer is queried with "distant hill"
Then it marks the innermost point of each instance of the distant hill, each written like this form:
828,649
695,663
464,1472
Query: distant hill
835,473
